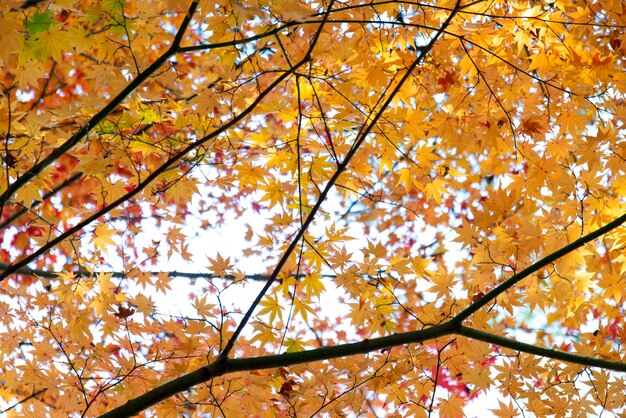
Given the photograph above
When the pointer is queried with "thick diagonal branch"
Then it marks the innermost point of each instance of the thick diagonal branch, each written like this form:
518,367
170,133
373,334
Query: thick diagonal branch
103,113
225,366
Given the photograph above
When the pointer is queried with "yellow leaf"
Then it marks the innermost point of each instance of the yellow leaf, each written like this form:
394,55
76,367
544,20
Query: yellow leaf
102,237
53,43
272,307
435,189
312,284
442,284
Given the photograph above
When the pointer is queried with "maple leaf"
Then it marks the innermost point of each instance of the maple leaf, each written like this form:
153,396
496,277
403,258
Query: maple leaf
467,233
303,309
408,179
613,286
272,307
447,79
508,410
52,43
359,315
452,407
220,266
442,284
435,190
377,250
29,74
312,284
294,345
204,308
123,312
142,304
39,22
532,126
102,237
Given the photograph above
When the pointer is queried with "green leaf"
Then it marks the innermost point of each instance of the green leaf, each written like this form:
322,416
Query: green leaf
39,22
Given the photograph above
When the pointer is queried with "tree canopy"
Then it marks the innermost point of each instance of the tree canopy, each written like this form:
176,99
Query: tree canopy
430,197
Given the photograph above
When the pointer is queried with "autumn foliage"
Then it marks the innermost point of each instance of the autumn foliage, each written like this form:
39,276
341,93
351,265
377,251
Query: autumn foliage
428,198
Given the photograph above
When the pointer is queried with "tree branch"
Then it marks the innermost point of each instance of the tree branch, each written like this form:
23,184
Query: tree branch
516,278
225,366
8,221
103,113
49,274
149,179
541,351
